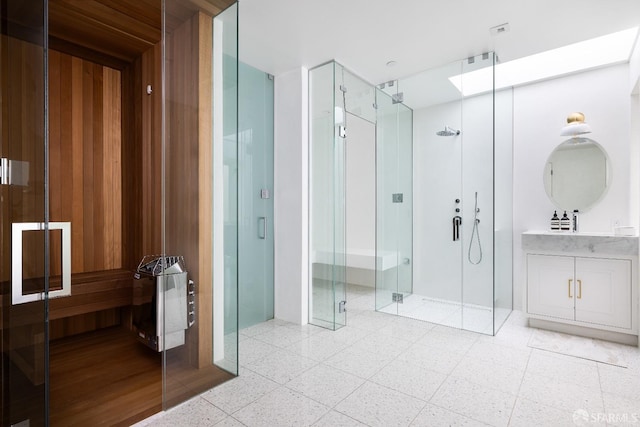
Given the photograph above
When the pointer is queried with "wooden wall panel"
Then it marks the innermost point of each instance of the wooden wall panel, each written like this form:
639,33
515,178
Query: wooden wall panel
188,168
181,166
205,185
86,167
81,323
131,161
152,151
112,172
22,138
142,164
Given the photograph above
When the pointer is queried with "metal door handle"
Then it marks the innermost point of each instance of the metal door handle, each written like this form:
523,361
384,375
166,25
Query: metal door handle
569,287
264,227
17,295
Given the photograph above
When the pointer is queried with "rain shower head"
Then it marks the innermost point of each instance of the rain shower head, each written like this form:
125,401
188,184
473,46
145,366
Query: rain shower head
448,132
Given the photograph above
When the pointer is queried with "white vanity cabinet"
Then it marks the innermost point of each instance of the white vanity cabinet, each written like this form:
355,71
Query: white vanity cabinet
591,290
583,284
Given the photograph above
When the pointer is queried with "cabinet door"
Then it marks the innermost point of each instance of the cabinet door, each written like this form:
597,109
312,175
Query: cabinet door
603,291
550,286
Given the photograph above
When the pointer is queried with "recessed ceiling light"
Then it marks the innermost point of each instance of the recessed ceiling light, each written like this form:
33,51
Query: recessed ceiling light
606,50
391,63
499,29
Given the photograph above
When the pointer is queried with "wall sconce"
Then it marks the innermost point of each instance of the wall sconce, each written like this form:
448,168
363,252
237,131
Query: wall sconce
575,125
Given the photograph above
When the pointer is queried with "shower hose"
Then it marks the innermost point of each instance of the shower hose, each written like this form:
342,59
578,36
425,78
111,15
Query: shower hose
475,234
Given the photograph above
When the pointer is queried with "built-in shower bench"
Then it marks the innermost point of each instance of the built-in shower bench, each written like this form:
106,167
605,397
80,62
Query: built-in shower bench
361,265
359,258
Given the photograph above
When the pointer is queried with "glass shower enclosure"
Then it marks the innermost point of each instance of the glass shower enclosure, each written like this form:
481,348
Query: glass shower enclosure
458,139
443,194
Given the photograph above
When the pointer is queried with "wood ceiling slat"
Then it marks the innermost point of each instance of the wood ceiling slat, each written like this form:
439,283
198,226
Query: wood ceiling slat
112,18
146,11
73,28
122,29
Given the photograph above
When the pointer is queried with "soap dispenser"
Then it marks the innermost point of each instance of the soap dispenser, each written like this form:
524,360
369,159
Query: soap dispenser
555,222
565,222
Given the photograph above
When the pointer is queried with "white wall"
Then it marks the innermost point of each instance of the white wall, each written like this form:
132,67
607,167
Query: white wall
291,196
437,267
634,69
634,89
447,168
540,111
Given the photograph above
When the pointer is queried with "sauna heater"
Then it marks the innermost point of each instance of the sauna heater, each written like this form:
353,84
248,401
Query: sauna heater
163,302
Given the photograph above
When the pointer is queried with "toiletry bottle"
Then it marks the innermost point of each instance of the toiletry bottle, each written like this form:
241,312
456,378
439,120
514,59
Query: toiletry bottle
565,222
555,222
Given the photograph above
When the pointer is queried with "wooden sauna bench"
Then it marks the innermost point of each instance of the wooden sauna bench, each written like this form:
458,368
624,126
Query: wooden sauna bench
95,303
92,292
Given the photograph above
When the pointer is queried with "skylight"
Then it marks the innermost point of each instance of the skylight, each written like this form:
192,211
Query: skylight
610,49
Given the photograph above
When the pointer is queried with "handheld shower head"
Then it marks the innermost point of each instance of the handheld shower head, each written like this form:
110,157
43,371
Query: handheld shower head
448,132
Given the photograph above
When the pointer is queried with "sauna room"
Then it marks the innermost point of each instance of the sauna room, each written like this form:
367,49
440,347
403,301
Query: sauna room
115,128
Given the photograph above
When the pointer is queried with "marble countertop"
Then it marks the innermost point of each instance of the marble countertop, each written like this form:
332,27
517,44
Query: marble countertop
593,243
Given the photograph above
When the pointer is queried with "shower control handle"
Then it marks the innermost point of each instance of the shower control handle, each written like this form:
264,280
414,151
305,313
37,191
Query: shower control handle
457,222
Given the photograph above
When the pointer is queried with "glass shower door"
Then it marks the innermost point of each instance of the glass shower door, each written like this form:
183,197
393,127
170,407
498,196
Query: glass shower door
255,166
24,249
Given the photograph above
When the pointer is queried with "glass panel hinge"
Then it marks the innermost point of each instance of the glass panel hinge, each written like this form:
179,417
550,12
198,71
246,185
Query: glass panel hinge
342,307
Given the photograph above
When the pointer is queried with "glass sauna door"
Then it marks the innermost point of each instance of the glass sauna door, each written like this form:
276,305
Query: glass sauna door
23,244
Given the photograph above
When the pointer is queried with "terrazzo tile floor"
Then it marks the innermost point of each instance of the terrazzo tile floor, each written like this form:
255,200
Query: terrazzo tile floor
407,372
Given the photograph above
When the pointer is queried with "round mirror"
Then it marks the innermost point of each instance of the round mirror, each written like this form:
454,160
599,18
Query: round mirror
577,174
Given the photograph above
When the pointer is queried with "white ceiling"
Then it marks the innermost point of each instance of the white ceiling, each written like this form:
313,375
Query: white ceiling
280,35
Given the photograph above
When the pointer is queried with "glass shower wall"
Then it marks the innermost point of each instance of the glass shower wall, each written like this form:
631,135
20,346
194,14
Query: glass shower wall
503,207
335,95
394,207
326,200
487,270
476,85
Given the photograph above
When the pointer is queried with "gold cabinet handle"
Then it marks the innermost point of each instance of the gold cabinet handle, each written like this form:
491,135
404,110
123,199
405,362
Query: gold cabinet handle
579,288
569,287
